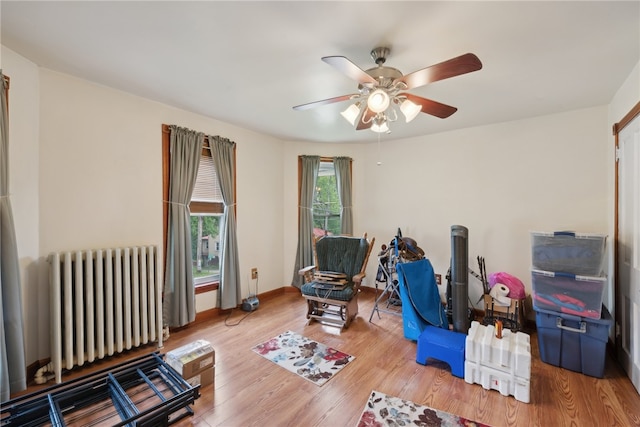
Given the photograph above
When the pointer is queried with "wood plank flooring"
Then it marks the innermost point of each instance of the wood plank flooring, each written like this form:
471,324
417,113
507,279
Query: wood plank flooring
251,391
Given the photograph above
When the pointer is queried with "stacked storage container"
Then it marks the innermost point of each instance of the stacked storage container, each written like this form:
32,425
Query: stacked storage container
568,286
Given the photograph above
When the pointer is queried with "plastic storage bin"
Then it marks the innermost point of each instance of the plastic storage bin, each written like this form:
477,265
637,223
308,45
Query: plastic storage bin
575,343
568,293
568,252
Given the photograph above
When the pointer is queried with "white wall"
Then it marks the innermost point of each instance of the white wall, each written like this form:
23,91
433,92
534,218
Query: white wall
500,181
99,180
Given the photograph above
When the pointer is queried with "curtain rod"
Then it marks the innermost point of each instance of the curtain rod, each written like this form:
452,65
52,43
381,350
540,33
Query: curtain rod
205,144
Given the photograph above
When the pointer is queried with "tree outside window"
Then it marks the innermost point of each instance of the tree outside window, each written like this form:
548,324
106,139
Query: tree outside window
326,203
206,255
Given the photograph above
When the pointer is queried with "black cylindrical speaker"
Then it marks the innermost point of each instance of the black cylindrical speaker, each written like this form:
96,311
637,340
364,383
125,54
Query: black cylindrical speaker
460,278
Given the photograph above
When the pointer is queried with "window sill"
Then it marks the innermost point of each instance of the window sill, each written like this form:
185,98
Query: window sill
207,287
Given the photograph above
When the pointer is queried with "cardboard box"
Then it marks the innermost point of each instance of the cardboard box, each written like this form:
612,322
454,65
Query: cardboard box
203,378
192,359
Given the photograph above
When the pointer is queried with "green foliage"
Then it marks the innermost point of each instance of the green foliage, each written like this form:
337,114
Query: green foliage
326,205
210,227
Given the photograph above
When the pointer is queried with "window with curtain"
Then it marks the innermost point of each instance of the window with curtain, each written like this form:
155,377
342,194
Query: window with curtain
324,204
206,209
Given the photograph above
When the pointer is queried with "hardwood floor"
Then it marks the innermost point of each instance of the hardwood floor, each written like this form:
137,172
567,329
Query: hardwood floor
250,391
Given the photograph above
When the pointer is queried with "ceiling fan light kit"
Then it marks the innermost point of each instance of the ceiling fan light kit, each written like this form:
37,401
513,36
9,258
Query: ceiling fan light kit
351,113
380,128
410,110
378,101
380,90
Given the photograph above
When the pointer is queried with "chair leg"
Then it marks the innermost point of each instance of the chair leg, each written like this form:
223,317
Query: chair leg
350,310
353,306
312,309
346,310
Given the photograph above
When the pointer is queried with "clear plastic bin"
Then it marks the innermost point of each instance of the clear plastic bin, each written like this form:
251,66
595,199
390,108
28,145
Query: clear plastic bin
568,252
568,293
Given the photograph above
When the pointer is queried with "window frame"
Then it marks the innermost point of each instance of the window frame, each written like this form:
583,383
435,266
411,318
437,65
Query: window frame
322,159
194,207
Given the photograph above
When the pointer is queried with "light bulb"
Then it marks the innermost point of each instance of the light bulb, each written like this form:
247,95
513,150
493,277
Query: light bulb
410,109
378,101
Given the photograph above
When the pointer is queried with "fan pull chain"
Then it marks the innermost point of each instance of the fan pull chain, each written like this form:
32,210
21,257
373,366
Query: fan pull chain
379,162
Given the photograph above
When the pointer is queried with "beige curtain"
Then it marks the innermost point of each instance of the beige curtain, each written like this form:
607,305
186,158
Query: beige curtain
342,166
304,254
223,155
179,306
12,354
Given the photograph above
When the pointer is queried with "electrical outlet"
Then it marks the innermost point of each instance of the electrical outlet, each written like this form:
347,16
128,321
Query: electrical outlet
254,273
438,279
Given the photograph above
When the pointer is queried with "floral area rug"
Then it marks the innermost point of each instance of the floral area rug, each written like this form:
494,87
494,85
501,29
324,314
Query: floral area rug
309,359
383,410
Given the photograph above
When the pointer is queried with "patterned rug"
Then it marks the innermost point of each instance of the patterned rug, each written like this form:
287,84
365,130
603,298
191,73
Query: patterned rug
309,359
383,410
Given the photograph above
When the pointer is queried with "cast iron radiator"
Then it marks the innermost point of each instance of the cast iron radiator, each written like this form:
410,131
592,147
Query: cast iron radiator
103,302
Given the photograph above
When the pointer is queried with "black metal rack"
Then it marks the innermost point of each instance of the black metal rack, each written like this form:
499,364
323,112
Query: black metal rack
509,315
389,300
142,392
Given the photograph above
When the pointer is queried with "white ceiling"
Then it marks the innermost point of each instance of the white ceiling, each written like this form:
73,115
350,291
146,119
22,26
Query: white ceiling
249,63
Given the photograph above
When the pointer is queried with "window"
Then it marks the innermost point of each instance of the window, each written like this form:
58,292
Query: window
206,209
326,202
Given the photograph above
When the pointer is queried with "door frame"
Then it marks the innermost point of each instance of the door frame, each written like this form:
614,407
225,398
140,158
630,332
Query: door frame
617,128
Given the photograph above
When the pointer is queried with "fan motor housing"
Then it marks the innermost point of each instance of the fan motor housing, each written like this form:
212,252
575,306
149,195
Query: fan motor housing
384,75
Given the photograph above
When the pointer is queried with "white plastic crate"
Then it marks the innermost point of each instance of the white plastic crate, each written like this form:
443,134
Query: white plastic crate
493,379
498,364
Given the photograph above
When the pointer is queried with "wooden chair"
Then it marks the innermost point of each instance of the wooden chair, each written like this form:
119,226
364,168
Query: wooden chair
344,259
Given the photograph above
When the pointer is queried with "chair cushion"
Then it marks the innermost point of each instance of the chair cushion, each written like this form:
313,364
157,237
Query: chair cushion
341,254
343,295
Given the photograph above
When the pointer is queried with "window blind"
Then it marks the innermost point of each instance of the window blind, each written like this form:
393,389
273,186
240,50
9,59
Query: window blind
207,187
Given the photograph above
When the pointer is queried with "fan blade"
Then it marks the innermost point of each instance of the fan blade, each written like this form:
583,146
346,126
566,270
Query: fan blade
365,121
431,107
453,67
325,102
347,67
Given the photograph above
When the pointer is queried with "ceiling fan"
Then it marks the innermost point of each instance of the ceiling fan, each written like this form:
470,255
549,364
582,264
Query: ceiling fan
381,90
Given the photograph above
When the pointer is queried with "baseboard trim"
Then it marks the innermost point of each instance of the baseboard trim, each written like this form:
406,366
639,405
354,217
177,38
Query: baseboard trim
212,313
